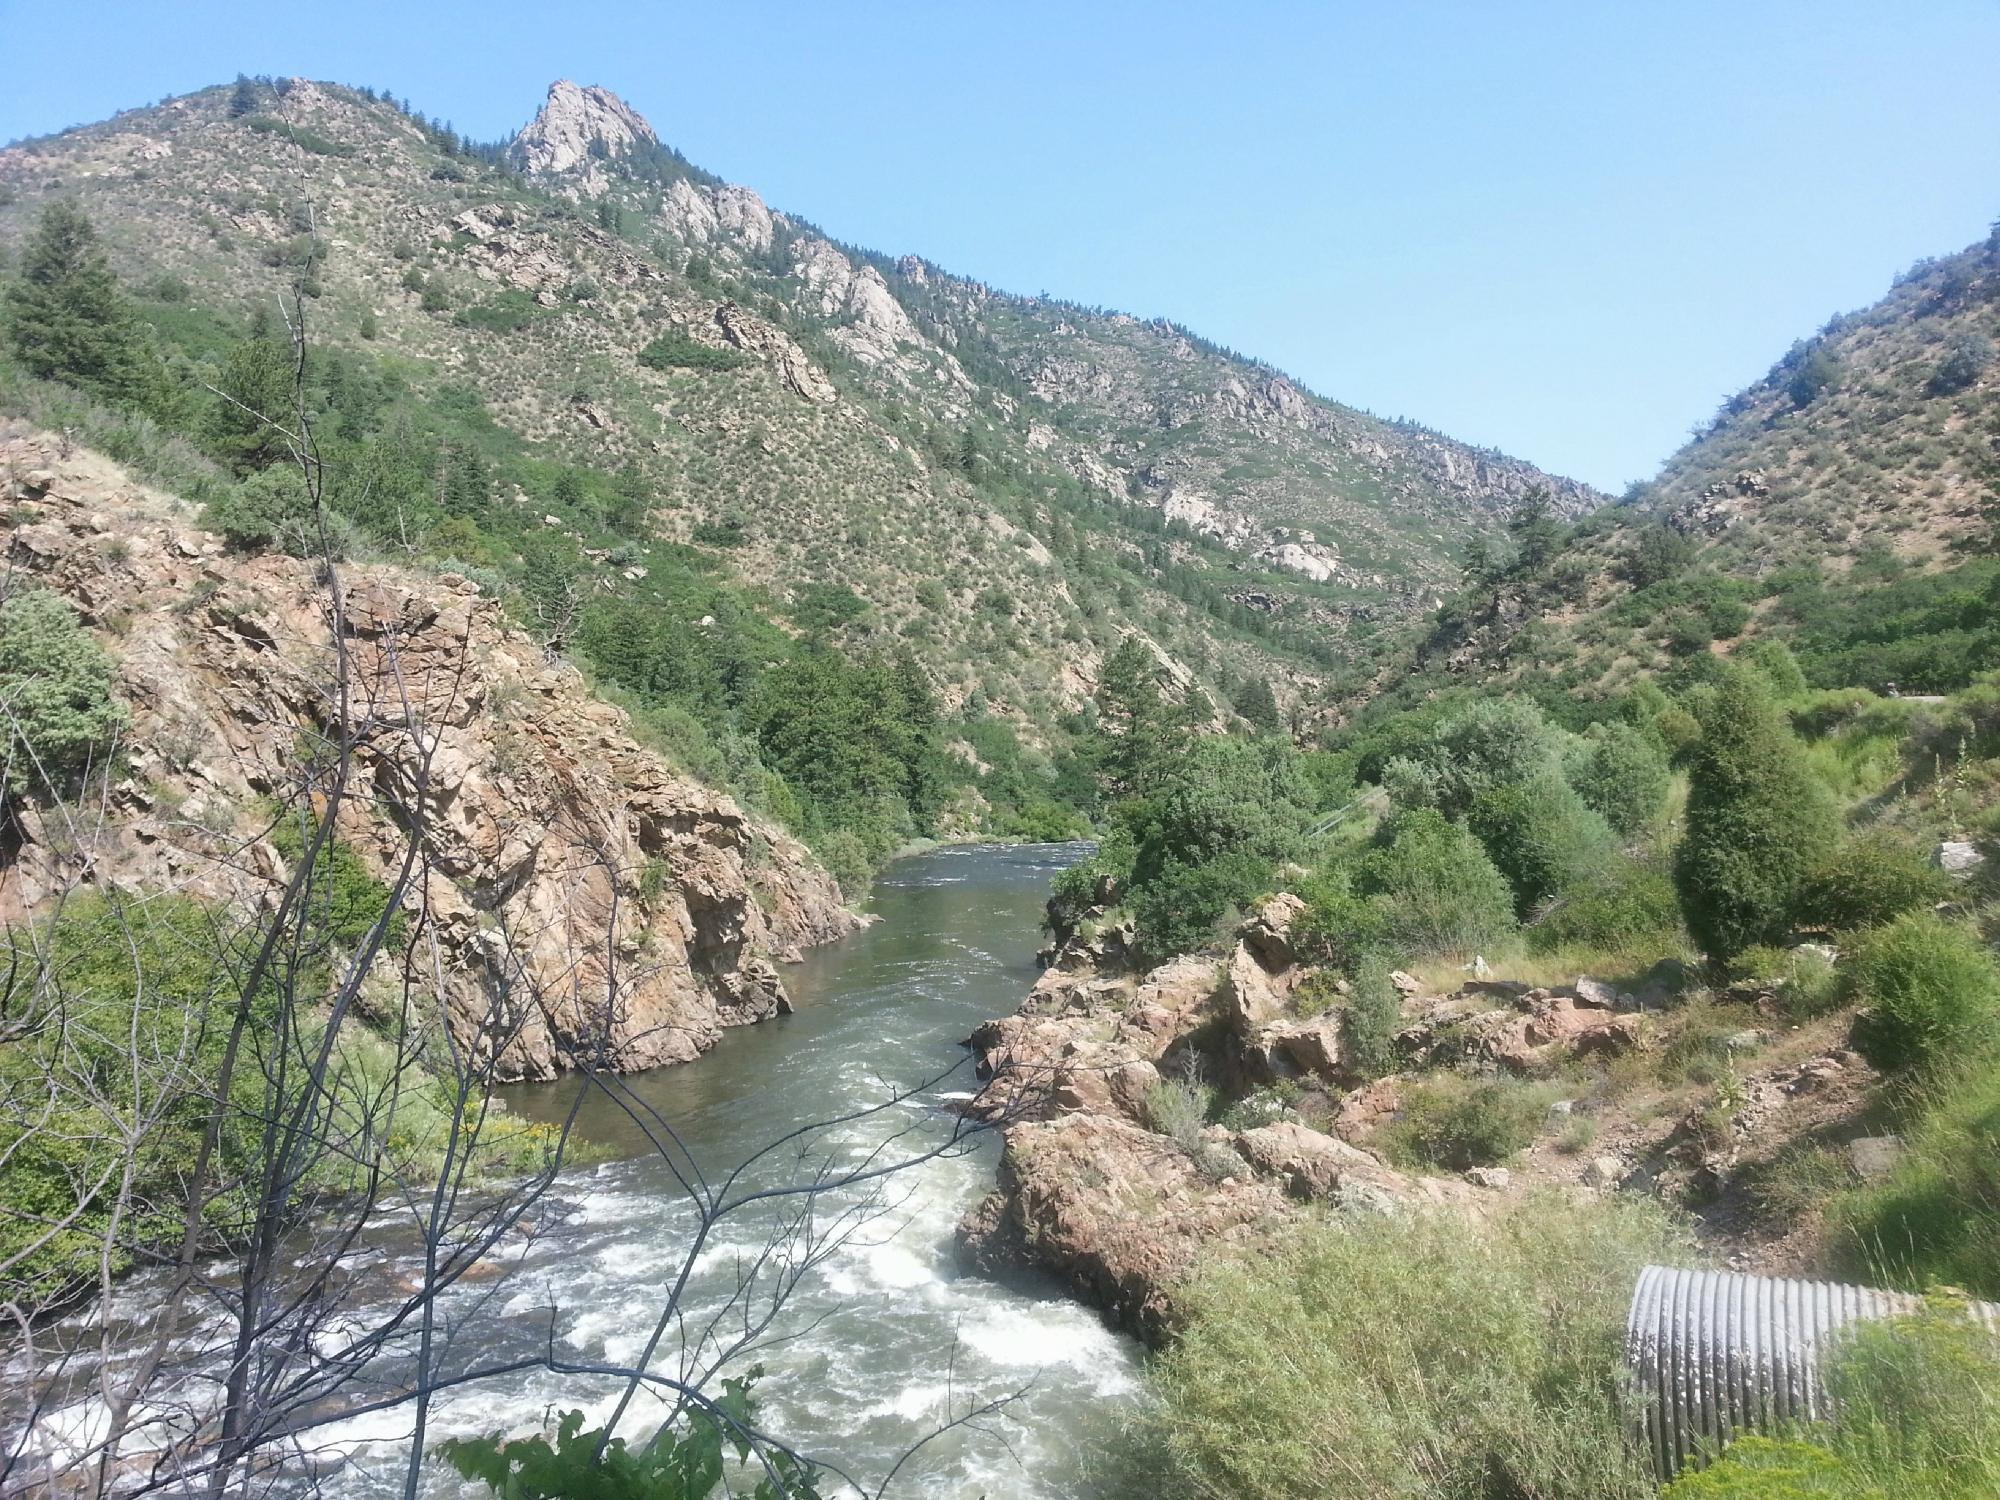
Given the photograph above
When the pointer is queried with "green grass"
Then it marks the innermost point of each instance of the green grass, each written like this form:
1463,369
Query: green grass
1935,1220
1418,1355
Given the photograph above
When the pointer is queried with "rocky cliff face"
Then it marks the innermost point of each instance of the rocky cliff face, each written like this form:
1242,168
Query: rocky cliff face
585,899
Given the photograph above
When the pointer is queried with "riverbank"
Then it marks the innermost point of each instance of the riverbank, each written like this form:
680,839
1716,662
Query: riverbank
1159,1120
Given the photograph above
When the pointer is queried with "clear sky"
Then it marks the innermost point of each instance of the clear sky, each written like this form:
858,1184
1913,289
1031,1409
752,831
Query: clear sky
1563,229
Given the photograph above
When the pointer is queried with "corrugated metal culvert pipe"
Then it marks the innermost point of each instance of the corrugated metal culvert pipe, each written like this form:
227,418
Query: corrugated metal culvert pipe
1714,1354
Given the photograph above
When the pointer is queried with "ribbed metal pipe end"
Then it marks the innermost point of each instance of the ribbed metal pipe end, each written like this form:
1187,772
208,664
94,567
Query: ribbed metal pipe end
1712,1354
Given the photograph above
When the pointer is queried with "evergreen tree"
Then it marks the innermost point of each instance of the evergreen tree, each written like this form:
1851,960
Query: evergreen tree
257,380
1142,724
1536,532
66,317
1758,820
243,99
56,685
1258,705
467,487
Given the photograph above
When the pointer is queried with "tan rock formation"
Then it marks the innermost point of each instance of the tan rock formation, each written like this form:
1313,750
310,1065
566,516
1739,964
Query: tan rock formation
571,121
585,900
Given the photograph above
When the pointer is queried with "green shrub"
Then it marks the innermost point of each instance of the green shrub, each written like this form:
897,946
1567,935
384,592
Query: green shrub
343,901
298,135
1627,907
1364,1357
1774,659
1454,1121
1866,881
1265,1106
676,351
1181,907
1373,1016
1542,837
1494,743
1179,1108
846,859
1917,1416
1435,888
110,973
55,688
1757,821
270,508
1337,927
510,311
1622,775
1932,992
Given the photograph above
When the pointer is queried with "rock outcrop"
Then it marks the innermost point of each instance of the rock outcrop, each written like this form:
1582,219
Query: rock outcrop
1118,1212
575,126
1088,1190
584,899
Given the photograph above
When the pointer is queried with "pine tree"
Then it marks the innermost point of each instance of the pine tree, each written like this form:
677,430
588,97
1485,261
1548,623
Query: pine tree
66,317
468,487
1758,821
243,99
1258,705
257,382
1535,530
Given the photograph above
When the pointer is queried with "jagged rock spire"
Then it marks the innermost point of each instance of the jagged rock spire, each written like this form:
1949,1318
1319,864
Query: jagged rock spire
558,139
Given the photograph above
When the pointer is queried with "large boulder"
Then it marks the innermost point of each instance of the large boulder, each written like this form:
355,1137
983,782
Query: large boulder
1117,1212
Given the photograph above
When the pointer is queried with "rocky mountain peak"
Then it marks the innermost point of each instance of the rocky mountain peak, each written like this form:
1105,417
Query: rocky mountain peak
560,137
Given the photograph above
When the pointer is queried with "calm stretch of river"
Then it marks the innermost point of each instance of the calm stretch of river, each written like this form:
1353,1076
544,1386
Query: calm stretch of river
888,1322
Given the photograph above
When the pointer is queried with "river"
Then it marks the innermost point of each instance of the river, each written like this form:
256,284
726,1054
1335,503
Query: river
887,1336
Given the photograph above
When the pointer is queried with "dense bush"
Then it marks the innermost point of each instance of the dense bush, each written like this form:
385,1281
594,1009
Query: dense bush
1621,773
55,690
1204,827
1180,907
270,508
1932,992
1865,881
1454,1121
1337,926
509,311
1628,907
1757,821
1542,837
1494,743
1433,888
1963,363
1422,1355
111,973
677,351
298,135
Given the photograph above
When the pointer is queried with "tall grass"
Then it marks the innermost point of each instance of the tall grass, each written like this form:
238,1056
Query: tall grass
1414,1355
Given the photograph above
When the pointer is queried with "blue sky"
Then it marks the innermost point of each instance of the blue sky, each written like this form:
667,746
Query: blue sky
1563,229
